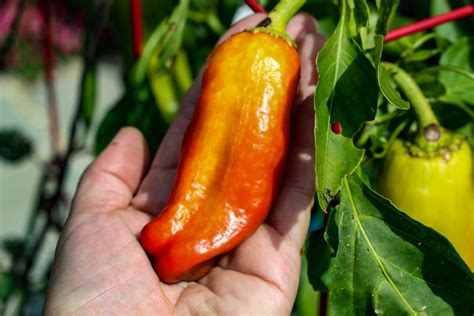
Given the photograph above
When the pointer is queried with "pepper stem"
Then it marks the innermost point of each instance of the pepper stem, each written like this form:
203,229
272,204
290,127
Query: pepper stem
430,130
282,13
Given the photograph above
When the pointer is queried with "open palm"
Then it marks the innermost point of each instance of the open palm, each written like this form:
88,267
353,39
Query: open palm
101,268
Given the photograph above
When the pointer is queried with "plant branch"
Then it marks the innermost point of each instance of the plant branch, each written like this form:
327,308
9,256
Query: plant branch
255,6
137,27
55,171
414,94
429,23
94,30
282,13
48,64
391,140
429,130
323,304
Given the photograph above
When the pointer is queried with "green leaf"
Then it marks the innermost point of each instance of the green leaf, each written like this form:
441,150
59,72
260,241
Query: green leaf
456,29
135,108
459,103
453,113
386,9
14,145
461,71
384,79
161,52
162,45
358,18
306,298
347,92
172,39
461,55
468,131
7,285
387,86
388,263
422,55
319,256
14,246
89,95
326,13
450,31
430,84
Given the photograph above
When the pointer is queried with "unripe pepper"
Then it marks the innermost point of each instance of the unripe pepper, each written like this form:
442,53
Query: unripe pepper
437,191
233,155
431,177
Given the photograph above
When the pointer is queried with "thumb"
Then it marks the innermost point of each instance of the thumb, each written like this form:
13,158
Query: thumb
110,181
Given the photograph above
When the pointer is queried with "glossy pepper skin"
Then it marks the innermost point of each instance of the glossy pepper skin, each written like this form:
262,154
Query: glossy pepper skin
233,156
436,191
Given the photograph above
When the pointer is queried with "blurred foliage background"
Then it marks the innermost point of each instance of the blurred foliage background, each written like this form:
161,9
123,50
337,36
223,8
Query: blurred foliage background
69,80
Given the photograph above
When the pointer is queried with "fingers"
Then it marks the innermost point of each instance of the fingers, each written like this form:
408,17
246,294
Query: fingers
303,29
292,210
154,191
110,182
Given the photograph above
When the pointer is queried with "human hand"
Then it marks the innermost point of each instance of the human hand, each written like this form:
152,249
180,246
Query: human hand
100,266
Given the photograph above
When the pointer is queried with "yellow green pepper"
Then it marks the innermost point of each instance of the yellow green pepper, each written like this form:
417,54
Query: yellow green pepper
431,177
437,191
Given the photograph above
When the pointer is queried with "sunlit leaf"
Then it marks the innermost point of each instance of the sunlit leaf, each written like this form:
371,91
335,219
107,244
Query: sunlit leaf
460,54
346,93
388,263
319,259
135,110
387,86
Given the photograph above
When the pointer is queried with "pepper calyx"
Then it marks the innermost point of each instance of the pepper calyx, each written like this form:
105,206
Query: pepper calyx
283,36
444,146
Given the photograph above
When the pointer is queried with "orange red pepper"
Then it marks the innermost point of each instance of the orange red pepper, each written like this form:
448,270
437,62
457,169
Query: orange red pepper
233,156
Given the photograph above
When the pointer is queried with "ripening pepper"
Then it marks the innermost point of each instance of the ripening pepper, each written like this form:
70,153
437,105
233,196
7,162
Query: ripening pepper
437,191
430,177
233,155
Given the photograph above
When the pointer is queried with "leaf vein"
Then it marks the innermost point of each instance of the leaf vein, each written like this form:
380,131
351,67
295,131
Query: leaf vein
376,256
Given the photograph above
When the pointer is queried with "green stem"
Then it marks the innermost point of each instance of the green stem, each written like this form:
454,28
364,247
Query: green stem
391,140
282,13
429,125
214,23
383,118
182,73
278,19
370,126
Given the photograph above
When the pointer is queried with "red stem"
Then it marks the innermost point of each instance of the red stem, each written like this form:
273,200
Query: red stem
48,64
137,27
430,23
255,6
323,304
421,25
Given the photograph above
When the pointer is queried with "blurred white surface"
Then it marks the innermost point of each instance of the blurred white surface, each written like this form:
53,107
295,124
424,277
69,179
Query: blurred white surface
23,106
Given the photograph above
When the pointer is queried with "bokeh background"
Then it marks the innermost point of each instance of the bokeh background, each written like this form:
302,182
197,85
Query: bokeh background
70,76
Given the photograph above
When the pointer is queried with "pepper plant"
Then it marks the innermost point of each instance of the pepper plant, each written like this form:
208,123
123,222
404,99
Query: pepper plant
375,103
381,260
